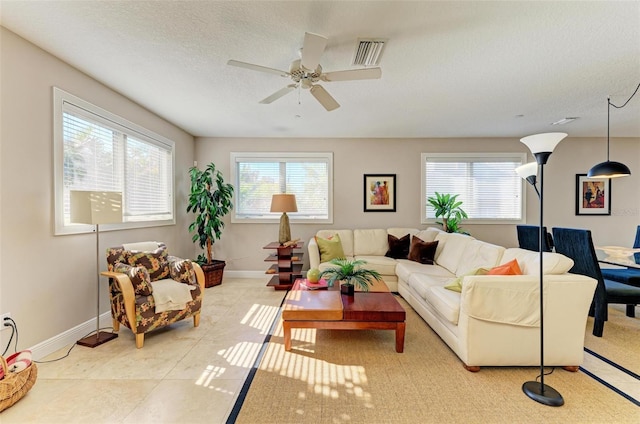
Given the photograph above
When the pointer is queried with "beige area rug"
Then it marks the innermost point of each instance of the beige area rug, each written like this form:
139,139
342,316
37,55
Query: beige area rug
620,341
333,376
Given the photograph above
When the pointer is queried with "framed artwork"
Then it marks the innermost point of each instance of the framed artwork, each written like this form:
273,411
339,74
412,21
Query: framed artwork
379,192
593,195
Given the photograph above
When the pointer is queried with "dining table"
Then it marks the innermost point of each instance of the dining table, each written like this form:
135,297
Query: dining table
619,256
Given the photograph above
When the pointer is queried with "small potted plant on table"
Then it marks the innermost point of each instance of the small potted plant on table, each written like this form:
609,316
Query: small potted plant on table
350,273
210,199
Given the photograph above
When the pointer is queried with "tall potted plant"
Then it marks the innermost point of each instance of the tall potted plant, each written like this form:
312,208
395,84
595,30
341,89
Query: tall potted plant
448,207
210,199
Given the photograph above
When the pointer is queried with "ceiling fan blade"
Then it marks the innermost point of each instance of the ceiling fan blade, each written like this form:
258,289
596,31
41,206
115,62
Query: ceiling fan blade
324,98
275,96
353,74
312,50
258,68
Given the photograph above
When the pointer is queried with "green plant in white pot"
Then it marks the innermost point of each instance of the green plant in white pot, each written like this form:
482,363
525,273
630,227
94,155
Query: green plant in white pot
448,207
210,199
350,273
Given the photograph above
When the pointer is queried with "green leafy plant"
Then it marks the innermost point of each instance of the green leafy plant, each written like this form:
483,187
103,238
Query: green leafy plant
350,272
448,207
210,199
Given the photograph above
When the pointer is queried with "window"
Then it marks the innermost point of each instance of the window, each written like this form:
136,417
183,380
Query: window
257,176
96,150
487,184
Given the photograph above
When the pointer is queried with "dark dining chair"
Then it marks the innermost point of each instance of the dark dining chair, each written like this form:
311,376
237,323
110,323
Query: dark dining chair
529,238
577,244
626,275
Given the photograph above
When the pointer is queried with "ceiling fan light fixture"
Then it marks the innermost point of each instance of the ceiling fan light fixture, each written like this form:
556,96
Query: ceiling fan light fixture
368,51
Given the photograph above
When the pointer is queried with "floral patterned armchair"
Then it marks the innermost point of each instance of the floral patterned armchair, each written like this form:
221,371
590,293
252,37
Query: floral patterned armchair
150,289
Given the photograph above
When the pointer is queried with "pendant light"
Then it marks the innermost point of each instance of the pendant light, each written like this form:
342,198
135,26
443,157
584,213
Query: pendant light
610,169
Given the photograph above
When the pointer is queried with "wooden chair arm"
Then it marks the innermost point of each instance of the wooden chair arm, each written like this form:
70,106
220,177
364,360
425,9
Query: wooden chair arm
199,276
128,295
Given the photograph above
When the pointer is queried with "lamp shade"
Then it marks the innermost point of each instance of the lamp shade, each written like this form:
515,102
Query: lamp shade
527,170
96,207
284,203
609,169
543,143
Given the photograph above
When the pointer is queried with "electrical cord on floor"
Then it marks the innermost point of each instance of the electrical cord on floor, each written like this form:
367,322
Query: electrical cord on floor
9,322
546,373
71,348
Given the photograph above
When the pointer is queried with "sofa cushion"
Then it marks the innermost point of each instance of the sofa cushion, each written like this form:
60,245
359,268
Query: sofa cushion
382,264
406,268
421,283
456,283
182,270
454,246
346,237
429,234
422,251
445,302
529,261
510,268
370,242
156,262
479,254
401,231
398,247
330,248
139,277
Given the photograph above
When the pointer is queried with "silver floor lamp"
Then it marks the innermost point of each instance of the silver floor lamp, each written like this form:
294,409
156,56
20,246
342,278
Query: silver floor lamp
95,208
541,146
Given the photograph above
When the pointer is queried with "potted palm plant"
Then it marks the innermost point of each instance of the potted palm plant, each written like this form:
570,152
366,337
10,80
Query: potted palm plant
350,273
210,199
448,207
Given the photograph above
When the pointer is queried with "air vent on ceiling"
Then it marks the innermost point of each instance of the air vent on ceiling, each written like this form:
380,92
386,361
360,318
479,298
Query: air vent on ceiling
368,51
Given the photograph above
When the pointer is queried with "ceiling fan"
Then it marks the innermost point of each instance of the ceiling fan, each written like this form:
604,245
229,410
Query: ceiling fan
306,72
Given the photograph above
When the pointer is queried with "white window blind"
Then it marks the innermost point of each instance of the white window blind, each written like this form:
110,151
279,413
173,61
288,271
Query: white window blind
96,150
258,176
487,184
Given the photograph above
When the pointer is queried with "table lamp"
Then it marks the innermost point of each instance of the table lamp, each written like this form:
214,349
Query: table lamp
95,208
284,203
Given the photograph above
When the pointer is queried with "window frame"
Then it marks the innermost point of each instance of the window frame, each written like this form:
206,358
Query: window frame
236,157
103,117
480,221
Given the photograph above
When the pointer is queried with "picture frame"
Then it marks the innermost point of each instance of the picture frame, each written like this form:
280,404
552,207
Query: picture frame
593,195
379,192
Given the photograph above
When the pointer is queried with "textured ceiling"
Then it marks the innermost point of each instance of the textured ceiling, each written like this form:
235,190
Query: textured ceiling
450,69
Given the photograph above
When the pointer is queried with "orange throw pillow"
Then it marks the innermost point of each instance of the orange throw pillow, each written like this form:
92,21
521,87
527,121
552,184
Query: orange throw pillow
510,268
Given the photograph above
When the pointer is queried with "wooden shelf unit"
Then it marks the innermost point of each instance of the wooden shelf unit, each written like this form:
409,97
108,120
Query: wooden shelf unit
287,266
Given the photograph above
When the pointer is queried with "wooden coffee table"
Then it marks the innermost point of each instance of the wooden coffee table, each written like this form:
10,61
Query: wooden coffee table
329,309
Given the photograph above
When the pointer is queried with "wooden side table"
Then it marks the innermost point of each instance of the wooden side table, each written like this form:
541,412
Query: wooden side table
287,267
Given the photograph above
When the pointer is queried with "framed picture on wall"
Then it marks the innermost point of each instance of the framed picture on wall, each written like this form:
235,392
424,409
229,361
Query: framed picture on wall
593,195
379,192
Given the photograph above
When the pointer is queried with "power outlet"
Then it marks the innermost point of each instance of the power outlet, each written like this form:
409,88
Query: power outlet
2,318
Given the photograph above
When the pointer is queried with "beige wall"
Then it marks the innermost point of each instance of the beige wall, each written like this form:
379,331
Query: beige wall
241,244
47,282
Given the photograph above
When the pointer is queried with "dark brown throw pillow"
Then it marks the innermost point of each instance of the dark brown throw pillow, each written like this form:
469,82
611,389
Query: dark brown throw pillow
398,247
422,251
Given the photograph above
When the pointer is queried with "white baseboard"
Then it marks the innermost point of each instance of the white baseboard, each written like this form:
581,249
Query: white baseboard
69,337
246,274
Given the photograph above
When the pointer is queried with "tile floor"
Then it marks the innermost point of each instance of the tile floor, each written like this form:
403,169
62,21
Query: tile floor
192,376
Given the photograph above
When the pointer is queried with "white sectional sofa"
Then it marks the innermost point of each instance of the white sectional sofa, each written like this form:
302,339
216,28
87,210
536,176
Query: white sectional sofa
494,320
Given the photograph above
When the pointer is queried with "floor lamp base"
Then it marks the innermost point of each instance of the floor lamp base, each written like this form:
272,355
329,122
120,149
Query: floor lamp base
542,393
96,340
